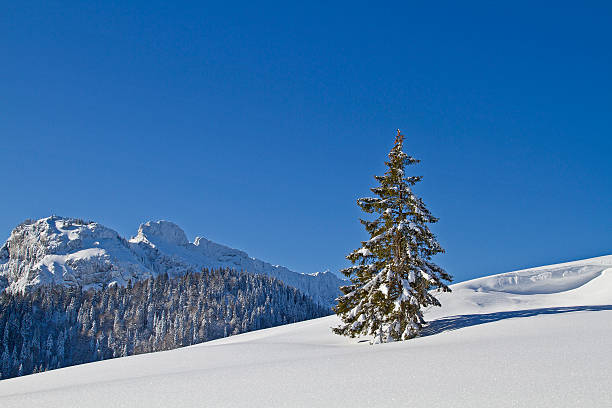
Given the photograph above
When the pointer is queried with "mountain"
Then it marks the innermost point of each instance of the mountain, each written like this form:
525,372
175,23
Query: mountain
73,252
533,338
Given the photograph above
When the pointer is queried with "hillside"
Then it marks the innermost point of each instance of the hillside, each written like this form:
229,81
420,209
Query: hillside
72,252
538,337
54,327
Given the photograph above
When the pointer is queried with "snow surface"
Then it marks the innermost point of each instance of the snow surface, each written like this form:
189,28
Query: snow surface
65,251
534,338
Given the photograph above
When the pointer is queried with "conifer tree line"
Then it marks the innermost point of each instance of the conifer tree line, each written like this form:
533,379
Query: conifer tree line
54,327
392,274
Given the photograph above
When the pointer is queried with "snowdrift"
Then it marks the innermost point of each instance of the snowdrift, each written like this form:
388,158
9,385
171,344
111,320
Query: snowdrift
539,337
586,282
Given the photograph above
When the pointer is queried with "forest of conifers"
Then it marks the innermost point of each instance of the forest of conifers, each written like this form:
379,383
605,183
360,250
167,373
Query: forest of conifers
53,327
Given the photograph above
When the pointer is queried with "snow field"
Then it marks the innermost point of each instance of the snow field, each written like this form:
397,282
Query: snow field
497,341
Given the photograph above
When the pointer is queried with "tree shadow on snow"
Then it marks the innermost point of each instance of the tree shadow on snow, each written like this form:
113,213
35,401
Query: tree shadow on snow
461,321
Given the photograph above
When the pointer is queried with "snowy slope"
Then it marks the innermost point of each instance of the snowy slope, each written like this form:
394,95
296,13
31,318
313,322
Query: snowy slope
65,251
583,282
535,338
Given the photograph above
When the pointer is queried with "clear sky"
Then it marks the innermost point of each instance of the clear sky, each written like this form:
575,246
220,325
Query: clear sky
258,125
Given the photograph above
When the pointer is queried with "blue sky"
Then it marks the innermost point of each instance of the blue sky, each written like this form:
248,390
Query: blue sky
259,125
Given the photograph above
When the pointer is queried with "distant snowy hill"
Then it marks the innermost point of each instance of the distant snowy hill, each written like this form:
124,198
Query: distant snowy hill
584,282
71,252
534,338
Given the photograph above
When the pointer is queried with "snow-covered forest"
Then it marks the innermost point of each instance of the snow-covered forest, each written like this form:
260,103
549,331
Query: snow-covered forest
54,327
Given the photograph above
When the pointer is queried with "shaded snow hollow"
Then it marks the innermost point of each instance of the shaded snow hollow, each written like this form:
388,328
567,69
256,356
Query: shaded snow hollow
71,252
534,338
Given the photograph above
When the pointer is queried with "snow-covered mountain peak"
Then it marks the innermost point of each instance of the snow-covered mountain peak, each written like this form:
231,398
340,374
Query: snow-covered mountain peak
73,252
59,235
160,232
66,251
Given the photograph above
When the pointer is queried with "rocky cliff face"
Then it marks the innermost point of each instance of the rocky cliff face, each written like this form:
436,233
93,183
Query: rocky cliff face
71,252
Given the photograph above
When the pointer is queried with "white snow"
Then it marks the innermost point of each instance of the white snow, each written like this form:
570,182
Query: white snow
586,282
364,252
535,338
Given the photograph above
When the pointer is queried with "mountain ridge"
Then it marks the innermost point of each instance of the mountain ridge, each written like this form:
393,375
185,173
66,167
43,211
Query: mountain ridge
74,252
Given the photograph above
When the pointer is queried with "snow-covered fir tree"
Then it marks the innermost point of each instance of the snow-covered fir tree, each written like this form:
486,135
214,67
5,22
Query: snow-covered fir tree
392,273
